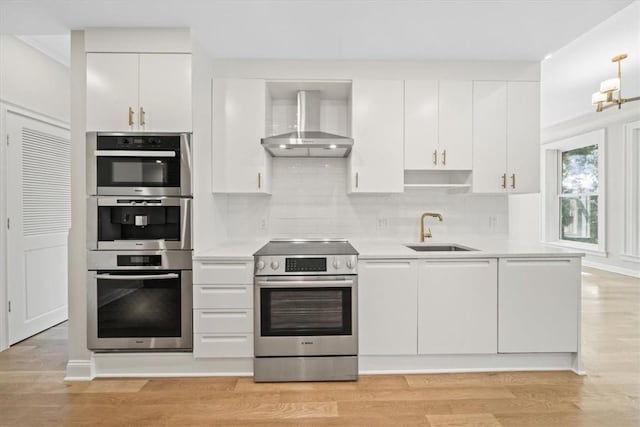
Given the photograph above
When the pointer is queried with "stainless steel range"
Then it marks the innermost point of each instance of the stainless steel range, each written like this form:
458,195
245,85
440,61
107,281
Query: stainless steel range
306,311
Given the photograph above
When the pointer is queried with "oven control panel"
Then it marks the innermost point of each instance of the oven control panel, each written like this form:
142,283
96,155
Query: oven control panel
305,265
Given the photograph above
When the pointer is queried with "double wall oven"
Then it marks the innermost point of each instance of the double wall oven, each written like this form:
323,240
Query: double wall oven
139,281
306,311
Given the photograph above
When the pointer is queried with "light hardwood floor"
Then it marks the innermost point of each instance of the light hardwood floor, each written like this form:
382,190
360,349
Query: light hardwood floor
32,390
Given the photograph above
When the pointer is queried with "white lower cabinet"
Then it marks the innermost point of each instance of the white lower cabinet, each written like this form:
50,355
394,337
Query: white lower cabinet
457,306
387,311
223,309
538,308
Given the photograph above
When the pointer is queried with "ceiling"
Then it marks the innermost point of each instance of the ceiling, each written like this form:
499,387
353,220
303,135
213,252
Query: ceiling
332,29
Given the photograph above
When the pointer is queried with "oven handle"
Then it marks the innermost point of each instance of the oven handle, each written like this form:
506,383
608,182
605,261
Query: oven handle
132,153
303,283
108,276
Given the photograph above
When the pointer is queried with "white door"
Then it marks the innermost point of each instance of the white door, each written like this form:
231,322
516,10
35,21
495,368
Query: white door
240,164
455,124
387,315
458,307
112,91
489,137
39,212
165,92
523,136
421,124
376,164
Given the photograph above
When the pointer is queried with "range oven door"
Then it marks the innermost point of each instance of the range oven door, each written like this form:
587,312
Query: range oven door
125,223
139,310
306,316
138,164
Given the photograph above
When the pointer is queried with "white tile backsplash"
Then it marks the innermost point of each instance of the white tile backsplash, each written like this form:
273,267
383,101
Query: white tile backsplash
309,199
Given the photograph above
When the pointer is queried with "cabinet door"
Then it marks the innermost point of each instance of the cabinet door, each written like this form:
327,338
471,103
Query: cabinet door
112,90
455,122
458,307
240,164
538,305
165,92
523,137
421,124
376,164
489,137
387,322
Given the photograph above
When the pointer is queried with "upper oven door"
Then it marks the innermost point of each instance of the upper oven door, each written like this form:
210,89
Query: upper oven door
306,316
130,223
142,165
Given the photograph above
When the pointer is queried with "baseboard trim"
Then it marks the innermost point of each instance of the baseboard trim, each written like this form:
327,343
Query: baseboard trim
80,370
611,268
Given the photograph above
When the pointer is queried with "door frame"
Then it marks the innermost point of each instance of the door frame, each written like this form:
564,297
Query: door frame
5,109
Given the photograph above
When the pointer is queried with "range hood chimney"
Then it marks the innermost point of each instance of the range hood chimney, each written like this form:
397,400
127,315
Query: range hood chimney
308,140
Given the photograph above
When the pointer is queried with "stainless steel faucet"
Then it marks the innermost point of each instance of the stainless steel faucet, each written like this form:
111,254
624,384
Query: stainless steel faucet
428,234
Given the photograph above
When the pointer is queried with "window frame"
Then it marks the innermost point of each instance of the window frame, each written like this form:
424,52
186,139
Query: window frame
632,188
552,159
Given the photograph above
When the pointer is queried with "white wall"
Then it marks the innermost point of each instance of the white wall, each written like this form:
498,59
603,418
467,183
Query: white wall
567,81
33,83
32,80
309,200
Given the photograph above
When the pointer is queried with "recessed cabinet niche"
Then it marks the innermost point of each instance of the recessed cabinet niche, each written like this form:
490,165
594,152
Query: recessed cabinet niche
139,92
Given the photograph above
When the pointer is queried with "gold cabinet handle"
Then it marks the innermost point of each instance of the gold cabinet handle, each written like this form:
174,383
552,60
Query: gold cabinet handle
513,180
356,179
142,118
435,157
504,180
130,116
444,157
259,180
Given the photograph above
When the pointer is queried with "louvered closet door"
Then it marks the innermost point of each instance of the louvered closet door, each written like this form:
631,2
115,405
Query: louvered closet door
39,210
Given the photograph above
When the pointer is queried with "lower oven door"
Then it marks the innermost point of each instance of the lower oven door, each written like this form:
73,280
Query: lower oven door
139,310
306,316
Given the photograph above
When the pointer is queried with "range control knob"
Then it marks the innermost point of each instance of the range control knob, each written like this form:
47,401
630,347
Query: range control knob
260,265
350,264
337,264
274,265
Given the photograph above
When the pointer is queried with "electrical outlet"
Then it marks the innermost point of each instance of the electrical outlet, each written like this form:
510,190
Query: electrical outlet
263,224
493,222
383,223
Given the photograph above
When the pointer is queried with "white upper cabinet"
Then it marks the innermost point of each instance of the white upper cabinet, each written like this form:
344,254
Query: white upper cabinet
523,136
165,92
112,91
240,164
377,158
437,127
139,92
506,129
455,123
420,124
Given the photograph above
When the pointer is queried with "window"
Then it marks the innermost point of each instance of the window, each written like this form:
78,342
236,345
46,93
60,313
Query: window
574,191
578,195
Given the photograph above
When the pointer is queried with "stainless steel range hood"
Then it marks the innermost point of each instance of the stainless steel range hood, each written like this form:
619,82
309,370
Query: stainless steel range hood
308,140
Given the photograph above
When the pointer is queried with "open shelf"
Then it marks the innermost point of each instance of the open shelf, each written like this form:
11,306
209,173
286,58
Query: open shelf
437,179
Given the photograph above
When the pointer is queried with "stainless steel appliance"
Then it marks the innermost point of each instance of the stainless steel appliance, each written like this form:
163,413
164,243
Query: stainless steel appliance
125,223
306,311
138,164
139,300
308,140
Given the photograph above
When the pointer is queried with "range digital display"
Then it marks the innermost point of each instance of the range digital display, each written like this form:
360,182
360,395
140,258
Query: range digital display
139,260
305,264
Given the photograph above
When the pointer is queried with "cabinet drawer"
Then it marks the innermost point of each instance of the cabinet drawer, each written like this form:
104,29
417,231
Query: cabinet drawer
223,321
222,272
223,345
222,296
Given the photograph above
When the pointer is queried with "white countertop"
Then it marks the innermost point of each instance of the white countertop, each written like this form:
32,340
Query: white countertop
367,249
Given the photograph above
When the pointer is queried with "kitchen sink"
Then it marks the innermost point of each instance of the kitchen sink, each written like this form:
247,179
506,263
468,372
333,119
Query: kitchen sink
444,247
